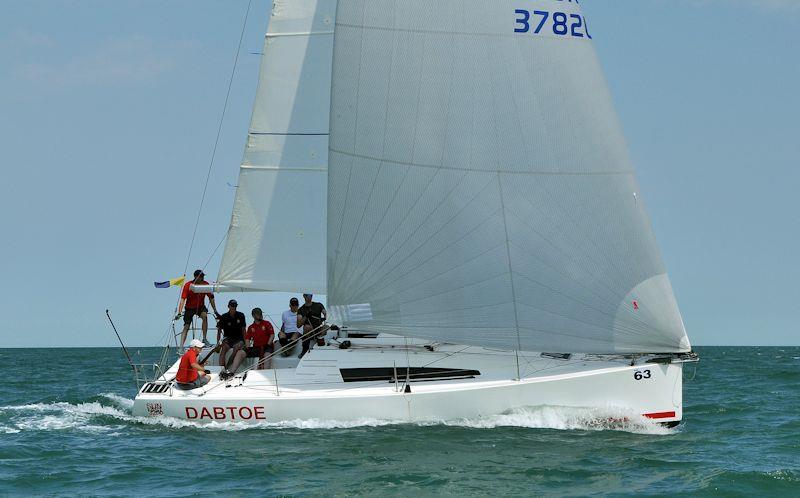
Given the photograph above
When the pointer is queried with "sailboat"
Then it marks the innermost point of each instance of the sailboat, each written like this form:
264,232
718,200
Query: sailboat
452,175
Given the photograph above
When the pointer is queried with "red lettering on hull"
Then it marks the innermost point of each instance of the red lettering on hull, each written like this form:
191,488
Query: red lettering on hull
226,413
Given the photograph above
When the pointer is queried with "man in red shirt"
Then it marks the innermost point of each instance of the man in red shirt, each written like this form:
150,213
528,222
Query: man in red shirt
261,335
191,373
195,305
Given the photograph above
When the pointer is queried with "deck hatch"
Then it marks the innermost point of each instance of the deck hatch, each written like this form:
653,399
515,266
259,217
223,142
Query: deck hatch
414,373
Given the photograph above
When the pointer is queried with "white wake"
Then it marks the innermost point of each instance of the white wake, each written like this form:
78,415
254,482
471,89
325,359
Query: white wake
94,417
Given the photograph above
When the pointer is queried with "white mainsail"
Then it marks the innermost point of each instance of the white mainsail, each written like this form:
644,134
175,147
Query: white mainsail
480,189
277,235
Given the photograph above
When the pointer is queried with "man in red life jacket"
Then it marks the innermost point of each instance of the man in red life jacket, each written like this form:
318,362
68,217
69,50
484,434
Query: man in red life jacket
195,305
191,373
262,337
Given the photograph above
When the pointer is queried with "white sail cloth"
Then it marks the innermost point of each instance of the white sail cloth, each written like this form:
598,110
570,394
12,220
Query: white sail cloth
480,190
277,237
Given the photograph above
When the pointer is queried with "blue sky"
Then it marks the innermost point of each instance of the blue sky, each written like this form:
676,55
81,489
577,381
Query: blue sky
108,113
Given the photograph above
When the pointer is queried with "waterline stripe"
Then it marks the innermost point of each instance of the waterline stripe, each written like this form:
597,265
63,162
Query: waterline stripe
660,415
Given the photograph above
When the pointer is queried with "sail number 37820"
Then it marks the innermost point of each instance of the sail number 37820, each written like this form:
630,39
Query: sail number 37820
542,21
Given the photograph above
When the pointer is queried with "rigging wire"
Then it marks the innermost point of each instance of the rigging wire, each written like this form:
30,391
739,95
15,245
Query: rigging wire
219,133
211,164
215,250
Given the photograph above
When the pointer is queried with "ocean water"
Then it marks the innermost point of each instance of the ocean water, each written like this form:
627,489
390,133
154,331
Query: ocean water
66,429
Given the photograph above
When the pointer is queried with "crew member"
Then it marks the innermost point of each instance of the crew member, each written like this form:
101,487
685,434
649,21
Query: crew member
191,373
195,305
311,316
262,335
232,324
289,331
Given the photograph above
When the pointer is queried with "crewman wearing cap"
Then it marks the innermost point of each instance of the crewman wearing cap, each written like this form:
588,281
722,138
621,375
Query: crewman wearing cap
233,325
195,305
191,373
311,316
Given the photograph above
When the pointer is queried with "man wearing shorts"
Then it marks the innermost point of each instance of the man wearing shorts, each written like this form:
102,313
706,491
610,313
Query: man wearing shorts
261,336
191,373
232,324
195,305
311,316
289,330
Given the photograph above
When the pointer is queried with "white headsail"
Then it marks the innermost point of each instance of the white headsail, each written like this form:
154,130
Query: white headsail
480,189
277,235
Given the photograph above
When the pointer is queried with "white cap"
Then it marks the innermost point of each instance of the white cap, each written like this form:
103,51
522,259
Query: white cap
196,343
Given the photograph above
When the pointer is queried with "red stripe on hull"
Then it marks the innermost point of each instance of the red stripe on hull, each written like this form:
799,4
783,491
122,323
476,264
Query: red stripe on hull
660,415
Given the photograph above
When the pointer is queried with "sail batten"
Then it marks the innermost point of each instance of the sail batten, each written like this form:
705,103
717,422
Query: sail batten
480,190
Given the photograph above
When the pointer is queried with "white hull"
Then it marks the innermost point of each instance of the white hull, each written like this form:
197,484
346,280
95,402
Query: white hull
316,388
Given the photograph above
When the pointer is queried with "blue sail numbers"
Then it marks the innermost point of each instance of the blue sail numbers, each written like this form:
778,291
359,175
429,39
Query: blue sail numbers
540,22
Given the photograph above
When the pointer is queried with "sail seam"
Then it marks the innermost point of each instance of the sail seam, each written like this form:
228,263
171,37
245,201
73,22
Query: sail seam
441,251
281,168
441,32
298,33
288,134
479,170
510,271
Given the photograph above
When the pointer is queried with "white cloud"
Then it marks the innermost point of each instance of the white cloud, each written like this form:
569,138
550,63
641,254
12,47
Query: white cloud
135,59
791,6
30,39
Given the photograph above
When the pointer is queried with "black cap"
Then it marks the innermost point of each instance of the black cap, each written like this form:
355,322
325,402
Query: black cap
308,295
257,311
198,273
293,301
233,303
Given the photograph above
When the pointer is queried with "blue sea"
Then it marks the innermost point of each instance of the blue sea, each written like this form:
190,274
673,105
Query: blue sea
66,429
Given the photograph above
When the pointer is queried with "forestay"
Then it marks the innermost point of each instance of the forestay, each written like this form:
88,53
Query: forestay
480,190
277,236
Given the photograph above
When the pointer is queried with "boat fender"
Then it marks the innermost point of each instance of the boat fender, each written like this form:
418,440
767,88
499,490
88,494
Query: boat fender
344,345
